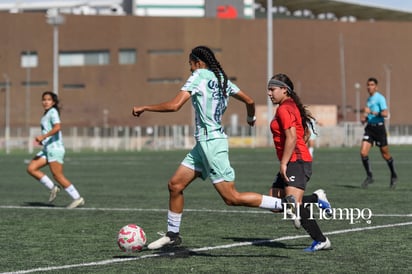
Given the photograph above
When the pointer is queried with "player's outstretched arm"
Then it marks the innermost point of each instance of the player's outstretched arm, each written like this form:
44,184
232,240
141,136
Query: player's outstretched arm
173,105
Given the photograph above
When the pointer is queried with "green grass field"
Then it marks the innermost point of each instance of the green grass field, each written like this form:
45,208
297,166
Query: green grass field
122,188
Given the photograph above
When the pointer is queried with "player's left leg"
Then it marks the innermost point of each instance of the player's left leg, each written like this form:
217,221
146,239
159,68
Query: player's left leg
389,160
312,228
38,162
56,169
177,184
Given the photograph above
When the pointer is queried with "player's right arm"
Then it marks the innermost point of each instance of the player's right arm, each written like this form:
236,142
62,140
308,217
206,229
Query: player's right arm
172,105
56,128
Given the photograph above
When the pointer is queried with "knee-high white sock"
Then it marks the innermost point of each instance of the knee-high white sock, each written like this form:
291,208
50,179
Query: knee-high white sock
173,221
45,180
72,191
271,203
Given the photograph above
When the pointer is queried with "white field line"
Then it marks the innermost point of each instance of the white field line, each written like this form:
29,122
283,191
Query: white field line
165,210
118,260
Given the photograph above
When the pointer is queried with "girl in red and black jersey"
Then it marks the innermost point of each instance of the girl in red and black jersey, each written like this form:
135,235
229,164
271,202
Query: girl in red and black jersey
290,133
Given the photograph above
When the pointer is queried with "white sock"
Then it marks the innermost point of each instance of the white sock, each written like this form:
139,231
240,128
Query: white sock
72,191
173,221
271,203
45,180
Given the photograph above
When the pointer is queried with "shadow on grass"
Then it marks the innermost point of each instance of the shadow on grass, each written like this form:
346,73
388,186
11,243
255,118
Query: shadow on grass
267,243
125,256
258,242
186,253
231,255
38,204
349,186
171,251
183,252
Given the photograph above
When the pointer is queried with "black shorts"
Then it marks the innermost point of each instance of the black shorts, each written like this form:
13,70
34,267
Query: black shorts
376,133
298,172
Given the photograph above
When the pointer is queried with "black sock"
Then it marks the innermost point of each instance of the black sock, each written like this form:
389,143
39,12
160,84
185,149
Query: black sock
310,225
391,167
367,166
313,198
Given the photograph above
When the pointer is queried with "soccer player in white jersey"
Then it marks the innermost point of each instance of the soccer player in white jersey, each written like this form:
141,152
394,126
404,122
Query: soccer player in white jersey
209,89
53,152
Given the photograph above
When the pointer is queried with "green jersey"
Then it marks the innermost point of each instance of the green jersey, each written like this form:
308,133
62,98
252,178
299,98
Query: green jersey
49,119
209,103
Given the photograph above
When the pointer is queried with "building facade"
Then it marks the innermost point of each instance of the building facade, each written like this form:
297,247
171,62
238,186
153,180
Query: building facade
107,64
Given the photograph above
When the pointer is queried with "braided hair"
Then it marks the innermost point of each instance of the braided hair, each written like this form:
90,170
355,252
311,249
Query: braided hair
206,55
307,117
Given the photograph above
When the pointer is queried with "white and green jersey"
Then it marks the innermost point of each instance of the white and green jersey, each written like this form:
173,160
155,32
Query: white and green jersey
49,119
209,103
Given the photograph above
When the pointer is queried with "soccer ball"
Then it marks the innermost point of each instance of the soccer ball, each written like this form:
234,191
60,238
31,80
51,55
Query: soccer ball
131,238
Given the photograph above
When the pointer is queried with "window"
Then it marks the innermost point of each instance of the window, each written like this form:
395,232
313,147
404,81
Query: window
84,58
127,56
34,83
74,86
29,59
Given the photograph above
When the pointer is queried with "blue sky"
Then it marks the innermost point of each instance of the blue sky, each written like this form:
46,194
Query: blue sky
403,5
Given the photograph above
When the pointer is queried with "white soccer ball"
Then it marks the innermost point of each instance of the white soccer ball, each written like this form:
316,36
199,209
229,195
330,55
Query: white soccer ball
131,238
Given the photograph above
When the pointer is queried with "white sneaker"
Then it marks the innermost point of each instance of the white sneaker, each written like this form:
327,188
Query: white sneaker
316,246
53,193
323,202
76,203
170,238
